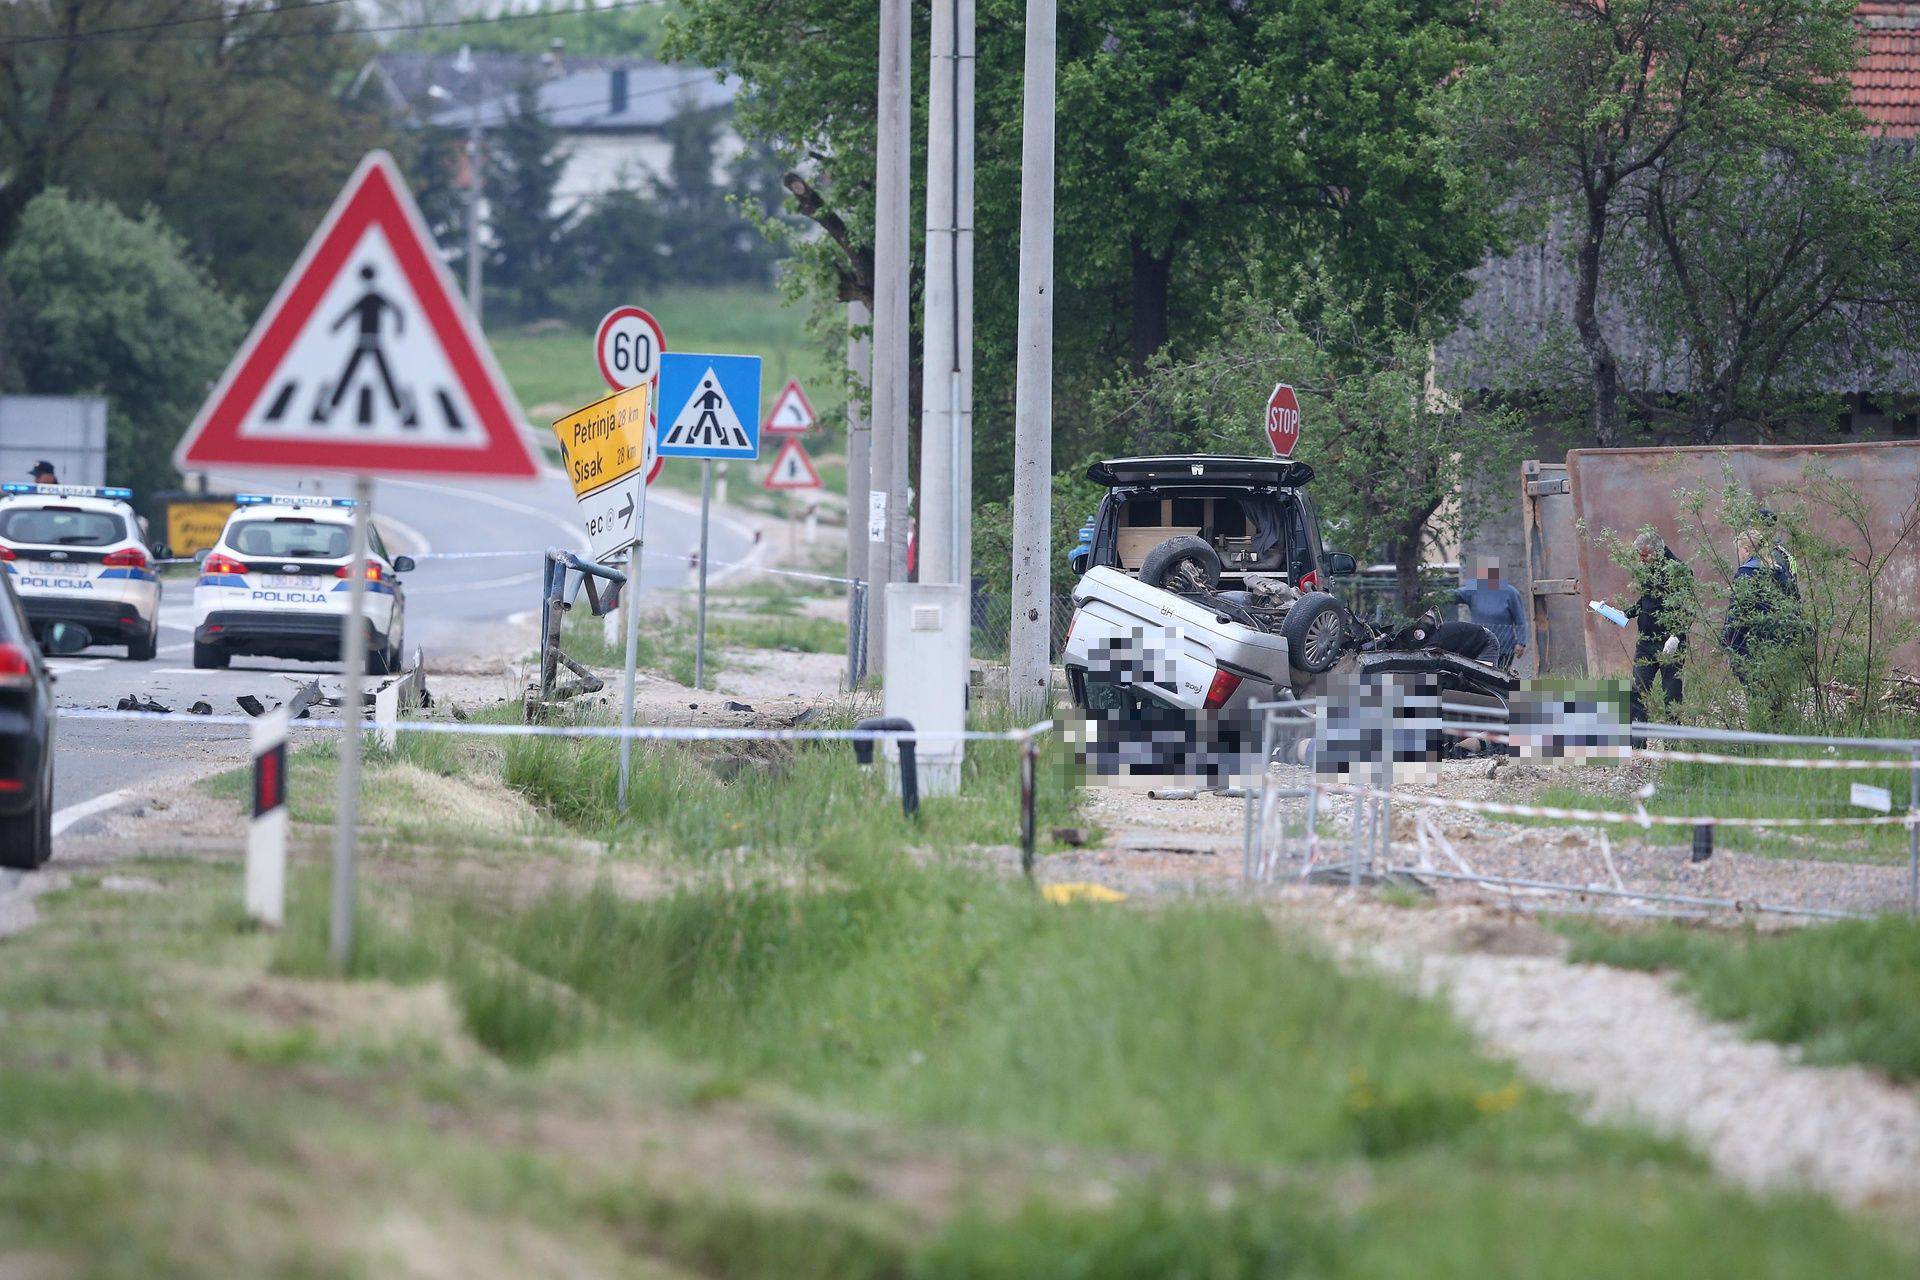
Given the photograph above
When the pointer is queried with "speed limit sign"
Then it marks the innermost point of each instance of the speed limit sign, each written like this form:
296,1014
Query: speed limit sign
627,347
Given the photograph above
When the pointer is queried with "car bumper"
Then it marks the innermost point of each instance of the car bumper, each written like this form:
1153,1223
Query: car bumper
106,618
280,635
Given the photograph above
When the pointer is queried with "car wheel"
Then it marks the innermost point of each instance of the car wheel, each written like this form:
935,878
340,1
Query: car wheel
1315,630
147,647
1183,564
26,839
210,657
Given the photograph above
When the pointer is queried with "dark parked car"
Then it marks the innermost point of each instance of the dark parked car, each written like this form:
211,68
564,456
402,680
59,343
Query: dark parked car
26,732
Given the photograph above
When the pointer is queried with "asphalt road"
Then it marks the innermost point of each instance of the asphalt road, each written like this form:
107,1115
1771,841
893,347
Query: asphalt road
456,608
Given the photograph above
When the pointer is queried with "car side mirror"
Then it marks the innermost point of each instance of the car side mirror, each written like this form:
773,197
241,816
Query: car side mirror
1340,565
161,551
67,637
403,564
200,556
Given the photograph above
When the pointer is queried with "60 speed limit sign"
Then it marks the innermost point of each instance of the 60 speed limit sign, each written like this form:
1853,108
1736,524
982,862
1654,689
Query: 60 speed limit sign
627,347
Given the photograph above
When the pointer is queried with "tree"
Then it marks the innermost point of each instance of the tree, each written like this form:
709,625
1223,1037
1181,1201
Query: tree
1587,109
107,304
524,161
1395,455
1195,143
229,121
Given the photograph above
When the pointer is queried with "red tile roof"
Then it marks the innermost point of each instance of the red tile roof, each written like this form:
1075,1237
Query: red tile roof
1886,82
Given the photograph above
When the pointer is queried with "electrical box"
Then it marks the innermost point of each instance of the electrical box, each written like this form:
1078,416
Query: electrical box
929,638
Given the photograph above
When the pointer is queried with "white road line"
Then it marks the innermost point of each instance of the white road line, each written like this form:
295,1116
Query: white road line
64,818
174,648
60,666
573,532
414,542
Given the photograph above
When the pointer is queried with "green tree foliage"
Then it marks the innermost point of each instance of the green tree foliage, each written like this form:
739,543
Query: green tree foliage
1195,143
524,161
1711,178
1392,452
107,304
230,121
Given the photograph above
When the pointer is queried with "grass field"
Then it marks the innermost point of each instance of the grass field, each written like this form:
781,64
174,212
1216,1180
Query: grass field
553,372
1847,992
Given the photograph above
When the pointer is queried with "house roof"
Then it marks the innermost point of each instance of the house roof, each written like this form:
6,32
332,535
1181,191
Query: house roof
576,94
1886,81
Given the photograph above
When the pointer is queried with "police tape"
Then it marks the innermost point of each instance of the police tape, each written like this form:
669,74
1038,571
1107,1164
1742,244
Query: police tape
1640,817
1625,751
688,558
640,733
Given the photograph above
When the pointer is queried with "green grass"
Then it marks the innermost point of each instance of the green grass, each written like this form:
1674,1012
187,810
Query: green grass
1847,992
793,634
549,368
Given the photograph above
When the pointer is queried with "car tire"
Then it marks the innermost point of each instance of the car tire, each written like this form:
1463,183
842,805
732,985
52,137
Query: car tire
26,839
379,662
1315,630
1186,556
147,647
210,657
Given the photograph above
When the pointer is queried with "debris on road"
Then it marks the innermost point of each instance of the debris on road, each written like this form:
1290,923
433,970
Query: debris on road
303,700
251,705
134,702
731,705
201,708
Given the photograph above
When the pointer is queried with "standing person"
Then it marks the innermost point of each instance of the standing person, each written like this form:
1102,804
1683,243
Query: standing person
1662,613
1761,629
42,473
1497,606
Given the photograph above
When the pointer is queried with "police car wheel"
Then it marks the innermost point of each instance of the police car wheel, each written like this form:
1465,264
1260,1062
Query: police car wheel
26,839
146,647
210,657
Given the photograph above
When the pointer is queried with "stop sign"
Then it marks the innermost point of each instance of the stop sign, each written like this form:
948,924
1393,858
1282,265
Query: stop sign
1283,420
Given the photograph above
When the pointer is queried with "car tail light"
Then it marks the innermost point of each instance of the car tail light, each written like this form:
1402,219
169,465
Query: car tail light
16,667
1224,683
373,572
219,564
126,558
6,553
1310,580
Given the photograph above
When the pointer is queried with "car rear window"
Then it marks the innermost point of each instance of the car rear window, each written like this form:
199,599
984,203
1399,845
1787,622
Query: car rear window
289,539
62,526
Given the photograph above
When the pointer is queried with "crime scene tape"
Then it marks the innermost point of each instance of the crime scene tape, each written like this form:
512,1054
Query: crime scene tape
1640,819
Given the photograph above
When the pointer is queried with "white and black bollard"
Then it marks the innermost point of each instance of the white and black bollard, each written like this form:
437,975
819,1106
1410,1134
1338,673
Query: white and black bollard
266,889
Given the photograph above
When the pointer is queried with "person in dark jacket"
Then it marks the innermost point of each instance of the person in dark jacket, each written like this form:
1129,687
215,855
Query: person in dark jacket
1662,614
1763,628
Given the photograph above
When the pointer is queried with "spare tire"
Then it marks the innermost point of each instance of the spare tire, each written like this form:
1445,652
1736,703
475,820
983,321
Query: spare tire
1183,564
1315,630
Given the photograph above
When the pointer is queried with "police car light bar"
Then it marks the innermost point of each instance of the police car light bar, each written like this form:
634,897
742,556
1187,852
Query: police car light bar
290,500
69,491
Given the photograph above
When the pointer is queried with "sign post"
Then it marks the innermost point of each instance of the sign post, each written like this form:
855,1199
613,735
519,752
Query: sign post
365,362
715,406
1283,420
605,450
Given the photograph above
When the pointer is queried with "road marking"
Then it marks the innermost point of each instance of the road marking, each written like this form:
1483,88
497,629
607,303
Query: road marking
173,648
573,531
64,818
60,666
406,533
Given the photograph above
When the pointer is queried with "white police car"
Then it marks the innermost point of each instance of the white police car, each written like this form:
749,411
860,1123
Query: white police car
78,554
276,585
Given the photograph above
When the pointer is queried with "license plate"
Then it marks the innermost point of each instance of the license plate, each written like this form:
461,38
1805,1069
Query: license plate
55,569
288,581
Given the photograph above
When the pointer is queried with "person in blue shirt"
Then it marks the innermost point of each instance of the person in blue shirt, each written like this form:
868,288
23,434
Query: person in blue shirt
1497,606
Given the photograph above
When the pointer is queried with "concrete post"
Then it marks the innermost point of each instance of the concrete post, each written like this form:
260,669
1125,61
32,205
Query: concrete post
891,322
1028,665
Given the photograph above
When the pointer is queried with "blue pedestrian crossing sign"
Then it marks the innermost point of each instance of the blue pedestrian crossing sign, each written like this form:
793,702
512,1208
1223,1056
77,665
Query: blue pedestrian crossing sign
709,406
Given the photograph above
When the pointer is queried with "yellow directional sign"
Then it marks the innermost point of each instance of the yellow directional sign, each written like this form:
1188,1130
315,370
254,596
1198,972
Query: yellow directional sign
605,442
196,525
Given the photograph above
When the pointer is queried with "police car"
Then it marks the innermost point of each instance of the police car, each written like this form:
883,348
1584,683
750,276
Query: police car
276,584
78,554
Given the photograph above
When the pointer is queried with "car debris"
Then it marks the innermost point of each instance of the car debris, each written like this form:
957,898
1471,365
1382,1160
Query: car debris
134,702
731,705
251,705
201,708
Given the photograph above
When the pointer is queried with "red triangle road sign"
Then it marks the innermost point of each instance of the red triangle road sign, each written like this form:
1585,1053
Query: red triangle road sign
792,412
365,360
792,468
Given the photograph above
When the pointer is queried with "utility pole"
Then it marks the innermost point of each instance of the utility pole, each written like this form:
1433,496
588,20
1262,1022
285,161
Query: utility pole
891,323
963,67
945,397
1028,657
859,442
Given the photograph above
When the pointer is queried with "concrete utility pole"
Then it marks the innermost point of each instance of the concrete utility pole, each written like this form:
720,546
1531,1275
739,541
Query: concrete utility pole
1028,658
946,397
859,442
891,323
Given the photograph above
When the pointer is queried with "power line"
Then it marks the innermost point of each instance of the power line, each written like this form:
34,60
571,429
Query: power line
117,33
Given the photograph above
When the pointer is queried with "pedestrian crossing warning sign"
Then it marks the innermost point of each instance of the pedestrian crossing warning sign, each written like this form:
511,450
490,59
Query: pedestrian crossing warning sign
792,468
709,406
365,360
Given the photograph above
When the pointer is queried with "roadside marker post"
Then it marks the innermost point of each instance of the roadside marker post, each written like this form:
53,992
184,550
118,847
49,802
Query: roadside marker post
366,362
266,877
715,403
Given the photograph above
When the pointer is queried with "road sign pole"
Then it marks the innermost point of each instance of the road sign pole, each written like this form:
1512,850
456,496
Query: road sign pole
700,625
353,664
632,598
